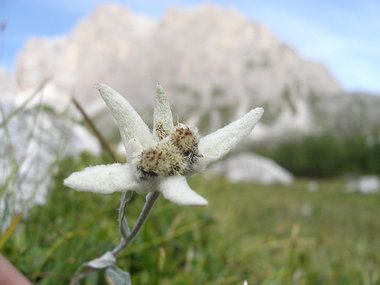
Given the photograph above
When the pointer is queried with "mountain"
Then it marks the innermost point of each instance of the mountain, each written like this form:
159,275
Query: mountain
8,83
214,63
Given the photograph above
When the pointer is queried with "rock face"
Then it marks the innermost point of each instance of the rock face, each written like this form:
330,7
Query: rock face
31,142
214,63
252,167
8,85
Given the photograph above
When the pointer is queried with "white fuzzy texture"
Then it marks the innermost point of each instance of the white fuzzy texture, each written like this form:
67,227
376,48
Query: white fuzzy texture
176,190
161,111
133,151
106,260
214,146
137,137
130,124
103,179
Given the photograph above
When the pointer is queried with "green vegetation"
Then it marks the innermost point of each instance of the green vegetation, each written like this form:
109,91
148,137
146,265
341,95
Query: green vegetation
327,155
264,234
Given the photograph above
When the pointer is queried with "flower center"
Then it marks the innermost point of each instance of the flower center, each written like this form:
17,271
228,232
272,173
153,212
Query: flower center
173,155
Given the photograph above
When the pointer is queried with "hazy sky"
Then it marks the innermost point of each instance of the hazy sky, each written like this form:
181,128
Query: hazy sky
345,35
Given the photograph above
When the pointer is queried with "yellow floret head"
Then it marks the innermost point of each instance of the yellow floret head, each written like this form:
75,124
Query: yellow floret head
185,139
164,159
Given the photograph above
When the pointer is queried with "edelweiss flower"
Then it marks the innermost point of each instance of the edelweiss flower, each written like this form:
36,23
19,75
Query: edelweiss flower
159,161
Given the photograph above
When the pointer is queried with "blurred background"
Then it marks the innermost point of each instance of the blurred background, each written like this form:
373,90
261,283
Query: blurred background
296,203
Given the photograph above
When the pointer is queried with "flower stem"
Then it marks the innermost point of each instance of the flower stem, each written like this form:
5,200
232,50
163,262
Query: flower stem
151,199
123,225
127,236
80,275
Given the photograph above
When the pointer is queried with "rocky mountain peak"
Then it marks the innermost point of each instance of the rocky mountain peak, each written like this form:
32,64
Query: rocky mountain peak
114,20
214,63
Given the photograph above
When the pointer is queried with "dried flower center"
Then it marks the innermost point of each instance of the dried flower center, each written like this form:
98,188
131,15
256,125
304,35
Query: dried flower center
161,132
174,155
185,139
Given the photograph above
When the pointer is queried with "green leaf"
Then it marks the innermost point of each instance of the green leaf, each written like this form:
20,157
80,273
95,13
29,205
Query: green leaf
116,276
106,260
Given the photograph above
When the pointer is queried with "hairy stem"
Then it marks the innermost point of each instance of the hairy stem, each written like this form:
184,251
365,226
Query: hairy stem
127,235
123,225
151,199
80,275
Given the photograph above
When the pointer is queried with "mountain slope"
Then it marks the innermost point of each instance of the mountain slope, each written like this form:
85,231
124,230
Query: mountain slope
214,63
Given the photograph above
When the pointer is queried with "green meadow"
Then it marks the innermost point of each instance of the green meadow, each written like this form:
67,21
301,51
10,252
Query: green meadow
263,234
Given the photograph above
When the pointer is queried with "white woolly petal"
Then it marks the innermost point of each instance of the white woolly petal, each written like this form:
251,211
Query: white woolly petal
103,179
216,145
162,112
129,122
176,190
133,150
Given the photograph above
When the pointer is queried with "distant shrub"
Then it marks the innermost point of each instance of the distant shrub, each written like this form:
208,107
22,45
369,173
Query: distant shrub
327,155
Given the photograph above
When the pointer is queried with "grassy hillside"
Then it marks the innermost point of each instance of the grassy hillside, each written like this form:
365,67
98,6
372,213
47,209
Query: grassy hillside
264,234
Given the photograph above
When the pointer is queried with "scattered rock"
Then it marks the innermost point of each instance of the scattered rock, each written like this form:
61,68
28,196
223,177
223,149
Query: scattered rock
312,186
365,184
252,167
306,210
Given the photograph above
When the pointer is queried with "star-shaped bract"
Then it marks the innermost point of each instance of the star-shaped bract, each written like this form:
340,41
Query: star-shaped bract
139,141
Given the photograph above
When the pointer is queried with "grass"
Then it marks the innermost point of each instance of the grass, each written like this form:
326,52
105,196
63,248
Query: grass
262,234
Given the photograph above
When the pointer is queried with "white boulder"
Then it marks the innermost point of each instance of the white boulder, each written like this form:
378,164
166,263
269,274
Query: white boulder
366,184
252,167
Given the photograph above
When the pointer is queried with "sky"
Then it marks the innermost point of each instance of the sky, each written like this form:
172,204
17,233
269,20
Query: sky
344,35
